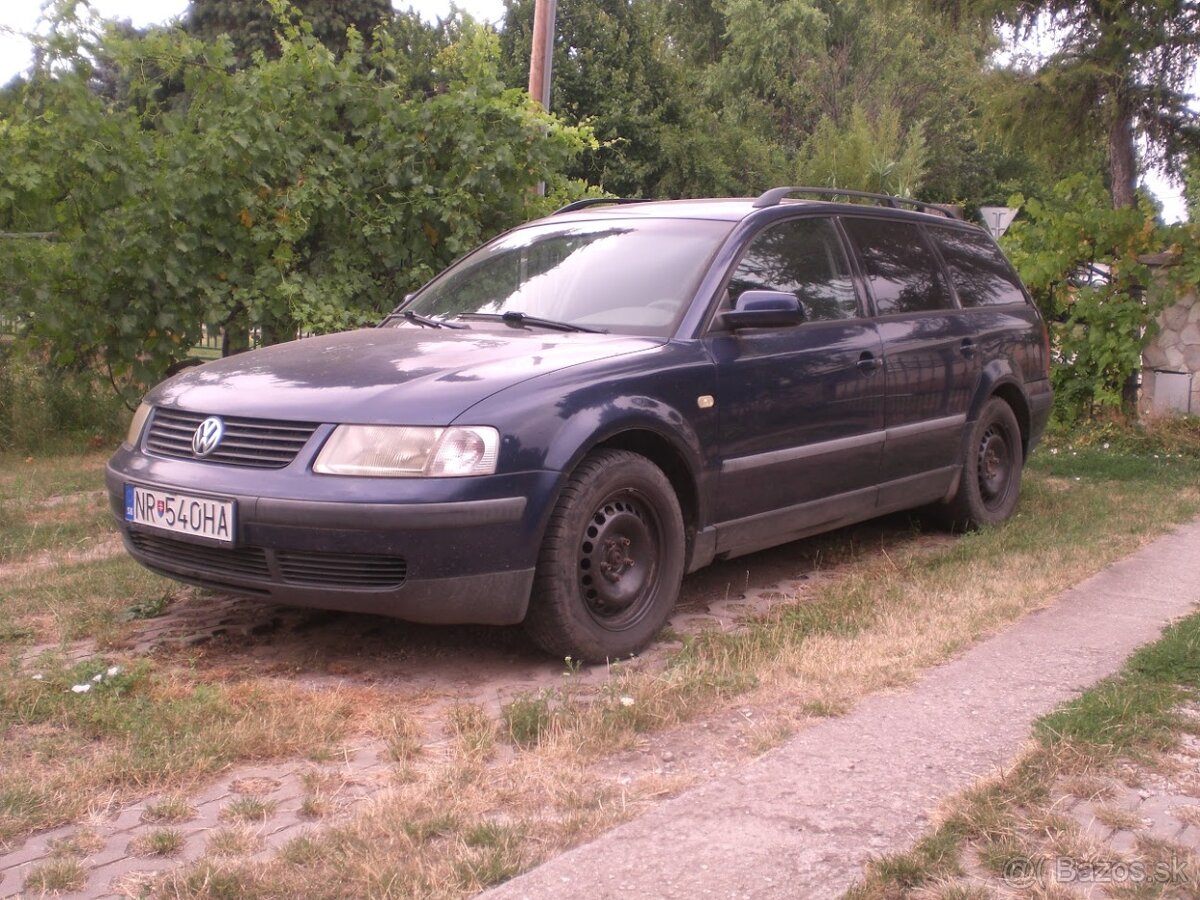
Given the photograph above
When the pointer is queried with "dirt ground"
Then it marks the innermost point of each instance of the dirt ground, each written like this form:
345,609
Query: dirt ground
476,664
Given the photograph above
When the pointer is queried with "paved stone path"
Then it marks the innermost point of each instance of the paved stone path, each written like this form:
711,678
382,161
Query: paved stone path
802,820
115,842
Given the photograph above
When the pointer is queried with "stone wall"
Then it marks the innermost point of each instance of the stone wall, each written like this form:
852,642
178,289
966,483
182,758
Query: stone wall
1171,361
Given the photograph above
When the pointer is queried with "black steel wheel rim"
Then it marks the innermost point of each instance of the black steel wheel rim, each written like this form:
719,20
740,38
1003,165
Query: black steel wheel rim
618,560
995,466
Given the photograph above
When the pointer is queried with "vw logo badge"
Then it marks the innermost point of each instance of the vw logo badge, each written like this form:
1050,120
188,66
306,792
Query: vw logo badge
208,435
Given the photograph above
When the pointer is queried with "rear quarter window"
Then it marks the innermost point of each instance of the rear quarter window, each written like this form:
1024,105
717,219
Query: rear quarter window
981,274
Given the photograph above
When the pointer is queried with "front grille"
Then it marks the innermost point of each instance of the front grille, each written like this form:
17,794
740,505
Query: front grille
341,570
215,562
255,443
299,567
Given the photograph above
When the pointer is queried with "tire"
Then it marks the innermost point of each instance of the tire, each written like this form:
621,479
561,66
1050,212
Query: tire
611,561
991,478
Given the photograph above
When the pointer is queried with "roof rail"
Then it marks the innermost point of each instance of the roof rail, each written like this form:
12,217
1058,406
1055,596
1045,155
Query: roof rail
597,201
774,196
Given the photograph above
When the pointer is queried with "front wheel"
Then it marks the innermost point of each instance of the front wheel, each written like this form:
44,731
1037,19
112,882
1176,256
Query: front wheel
611,562
991,479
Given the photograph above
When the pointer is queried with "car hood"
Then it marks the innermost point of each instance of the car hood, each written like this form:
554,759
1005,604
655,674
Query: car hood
384,375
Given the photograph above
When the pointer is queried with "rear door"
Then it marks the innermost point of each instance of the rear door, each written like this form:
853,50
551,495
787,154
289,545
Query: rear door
931,358
801,407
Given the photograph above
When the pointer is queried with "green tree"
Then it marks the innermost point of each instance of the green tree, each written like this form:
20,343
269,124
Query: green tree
614,70
1191,188
1119,71
863,94
252,25
865,155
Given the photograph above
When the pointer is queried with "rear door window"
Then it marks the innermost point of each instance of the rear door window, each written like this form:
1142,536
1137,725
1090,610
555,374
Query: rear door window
904,275
981,274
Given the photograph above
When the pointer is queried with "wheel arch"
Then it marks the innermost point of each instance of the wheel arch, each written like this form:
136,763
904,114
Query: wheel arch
670,459
999,380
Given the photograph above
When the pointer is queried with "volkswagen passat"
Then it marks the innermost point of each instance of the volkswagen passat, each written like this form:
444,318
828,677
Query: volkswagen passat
565,422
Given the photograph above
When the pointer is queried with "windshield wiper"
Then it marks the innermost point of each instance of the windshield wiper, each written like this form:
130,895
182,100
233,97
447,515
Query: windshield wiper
520,319
424,321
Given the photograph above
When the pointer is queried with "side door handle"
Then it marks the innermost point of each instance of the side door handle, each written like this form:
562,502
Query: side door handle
967,348
869,363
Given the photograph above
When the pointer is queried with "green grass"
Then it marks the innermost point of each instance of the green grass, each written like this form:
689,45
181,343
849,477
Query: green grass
236,841
52,504
159,842
56,876
49,411
74,525
249,809
170,809
1134,710
35,479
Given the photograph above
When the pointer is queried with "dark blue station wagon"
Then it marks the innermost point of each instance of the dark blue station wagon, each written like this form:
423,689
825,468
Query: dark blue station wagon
561,425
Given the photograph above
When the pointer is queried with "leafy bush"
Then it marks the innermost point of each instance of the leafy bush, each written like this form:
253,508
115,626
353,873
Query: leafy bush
309,190
45,407
1081,260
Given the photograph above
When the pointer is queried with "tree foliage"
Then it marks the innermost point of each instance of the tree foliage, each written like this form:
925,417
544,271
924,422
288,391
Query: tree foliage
1120,71
252,25
615,69
310,187
703,97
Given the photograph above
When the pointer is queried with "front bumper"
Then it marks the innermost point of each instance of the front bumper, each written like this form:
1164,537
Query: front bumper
467,556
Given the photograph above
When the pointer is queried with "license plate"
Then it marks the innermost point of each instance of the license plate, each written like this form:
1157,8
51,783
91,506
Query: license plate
180,513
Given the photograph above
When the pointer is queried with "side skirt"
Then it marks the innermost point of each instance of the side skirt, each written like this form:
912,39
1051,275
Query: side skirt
741,536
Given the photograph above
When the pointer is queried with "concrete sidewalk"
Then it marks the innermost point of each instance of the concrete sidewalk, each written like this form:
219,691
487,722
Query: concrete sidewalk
801,821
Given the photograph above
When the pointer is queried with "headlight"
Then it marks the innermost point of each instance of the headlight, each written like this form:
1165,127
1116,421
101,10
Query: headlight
391,451
138,423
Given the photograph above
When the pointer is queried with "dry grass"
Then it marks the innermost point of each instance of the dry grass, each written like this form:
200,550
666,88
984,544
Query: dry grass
249,809
1188,814
455,829
145,730
473,731
1118,818
82,842
324,793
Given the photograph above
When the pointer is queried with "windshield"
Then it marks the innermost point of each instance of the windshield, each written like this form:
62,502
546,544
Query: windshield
632,276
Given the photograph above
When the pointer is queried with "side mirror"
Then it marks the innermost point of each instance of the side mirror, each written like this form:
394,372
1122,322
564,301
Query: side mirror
764,309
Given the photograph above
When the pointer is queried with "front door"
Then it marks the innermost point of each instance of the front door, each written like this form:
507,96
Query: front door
801,407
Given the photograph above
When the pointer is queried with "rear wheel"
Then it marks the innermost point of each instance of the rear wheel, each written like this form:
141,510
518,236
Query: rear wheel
611,562
991,479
